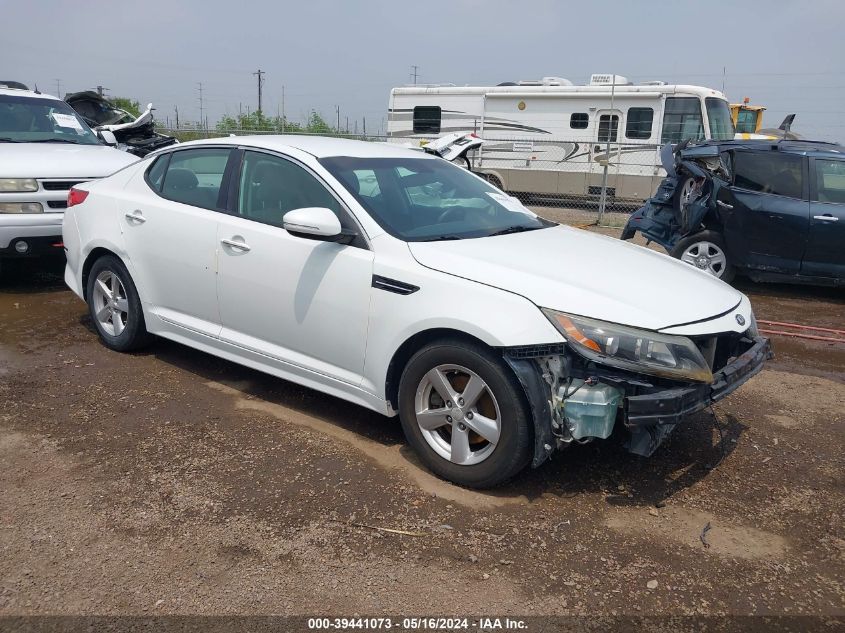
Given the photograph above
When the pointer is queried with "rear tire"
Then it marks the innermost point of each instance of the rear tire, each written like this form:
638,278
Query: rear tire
478,434
706,250
115,306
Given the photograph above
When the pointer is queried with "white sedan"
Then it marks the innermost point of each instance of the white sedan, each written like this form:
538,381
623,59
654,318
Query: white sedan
402,283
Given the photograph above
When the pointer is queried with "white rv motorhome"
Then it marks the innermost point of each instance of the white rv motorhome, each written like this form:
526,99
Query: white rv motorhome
551,138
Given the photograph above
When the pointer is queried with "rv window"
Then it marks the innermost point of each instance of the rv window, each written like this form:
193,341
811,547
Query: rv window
427,120
608,127
579,121
682,120
639,123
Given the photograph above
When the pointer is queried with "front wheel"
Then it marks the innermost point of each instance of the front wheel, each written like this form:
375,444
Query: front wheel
706,251
464,413
115,306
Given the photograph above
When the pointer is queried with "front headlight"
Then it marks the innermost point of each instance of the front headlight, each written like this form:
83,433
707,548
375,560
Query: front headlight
633,349
21,207
18,185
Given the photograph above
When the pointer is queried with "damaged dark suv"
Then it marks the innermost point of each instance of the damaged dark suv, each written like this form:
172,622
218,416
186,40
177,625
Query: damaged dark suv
773,211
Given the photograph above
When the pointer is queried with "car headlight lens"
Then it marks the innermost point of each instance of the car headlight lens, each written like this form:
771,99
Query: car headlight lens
629,348
13,185
21,207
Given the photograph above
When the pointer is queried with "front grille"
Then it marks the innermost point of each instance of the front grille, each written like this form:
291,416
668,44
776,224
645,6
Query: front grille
57,204
59,185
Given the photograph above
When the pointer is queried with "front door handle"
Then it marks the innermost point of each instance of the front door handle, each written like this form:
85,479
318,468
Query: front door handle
826,218
238,245
136,216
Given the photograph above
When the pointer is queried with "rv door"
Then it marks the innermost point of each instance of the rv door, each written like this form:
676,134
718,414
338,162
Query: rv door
607,130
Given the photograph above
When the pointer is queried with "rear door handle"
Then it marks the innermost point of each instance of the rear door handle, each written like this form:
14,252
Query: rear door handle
136,216
826,218
238,245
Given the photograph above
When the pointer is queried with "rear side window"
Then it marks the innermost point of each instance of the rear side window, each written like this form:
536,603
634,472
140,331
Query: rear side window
427,119
770,172
639,123
579,120
155,174
830,181
195,176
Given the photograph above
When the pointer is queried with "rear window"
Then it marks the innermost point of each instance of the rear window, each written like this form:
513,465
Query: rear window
427,119
195,176
770,172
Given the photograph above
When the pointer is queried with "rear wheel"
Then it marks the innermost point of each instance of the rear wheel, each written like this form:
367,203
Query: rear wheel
464,413
115,306
706,251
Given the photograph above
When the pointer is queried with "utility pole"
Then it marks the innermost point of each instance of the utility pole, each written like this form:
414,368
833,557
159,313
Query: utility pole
611,133
283,109
101,90
414,73
347,125
337,111
59,88
177,116
260,74
365,126
202,118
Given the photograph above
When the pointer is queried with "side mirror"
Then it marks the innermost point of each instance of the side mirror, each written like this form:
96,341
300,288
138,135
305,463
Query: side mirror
107,136
313,222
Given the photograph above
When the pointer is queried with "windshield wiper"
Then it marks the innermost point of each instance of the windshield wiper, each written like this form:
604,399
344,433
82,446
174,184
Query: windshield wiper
55,140
442,238
517,228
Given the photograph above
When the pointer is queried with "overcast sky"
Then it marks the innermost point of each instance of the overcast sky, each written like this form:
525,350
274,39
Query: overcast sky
786,54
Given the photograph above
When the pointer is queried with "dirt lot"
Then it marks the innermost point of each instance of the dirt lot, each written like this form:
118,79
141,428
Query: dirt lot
171,482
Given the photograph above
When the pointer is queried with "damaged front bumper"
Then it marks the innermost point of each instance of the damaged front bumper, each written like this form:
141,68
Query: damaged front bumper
648,409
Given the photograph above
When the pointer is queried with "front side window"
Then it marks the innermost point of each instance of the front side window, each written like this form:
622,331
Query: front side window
719,116
830,181
195,177
424,199
271,186
579,121
34,120
639,123
427,119
608,127
769,172
682,120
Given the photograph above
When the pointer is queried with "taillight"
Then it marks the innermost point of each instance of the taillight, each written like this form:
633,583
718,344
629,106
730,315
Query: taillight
76,196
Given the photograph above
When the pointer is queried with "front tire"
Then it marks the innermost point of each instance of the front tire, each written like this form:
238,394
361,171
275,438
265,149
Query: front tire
706,250
115,306
464,413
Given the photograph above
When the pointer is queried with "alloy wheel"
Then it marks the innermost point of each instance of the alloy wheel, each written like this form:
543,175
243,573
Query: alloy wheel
457,414
111,307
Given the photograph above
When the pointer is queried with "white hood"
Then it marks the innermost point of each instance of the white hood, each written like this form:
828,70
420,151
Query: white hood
60,160
584,273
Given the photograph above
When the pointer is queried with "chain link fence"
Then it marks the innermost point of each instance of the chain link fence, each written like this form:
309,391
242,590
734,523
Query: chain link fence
545,174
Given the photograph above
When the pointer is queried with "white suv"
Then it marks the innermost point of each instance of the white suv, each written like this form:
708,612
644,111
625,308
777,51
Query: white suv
45,149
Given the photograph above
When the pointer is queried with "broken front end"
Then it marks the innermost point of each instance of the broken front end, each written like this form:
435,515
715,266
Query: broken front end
608,375
687,199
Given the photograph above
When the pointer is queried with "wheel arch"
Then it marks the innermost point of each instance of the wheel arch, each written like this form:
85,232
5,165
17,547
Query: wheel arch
96,253
409,347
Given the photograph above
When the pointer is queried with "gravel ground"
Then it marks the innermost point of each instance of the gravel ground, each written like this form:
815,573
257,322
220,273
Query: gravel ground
172,482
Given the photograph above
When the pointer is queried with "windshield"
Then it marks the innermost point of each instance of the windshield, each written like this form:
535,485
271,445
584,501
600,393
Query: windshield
33,120
719,115
423,199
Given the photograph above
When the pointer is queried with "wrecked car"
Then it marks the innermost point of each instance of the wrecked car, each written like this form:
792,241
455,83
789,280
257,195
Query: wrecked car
773,211
136,135
399,282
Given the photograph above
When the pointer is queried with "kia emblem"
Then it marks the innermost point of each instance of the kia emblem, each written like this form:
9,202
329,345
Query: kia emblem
740,319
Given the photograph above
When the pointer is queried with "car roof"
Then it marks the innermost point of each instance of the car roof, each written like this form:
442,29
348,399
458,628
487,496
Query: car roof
17,92
317,146
794,146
